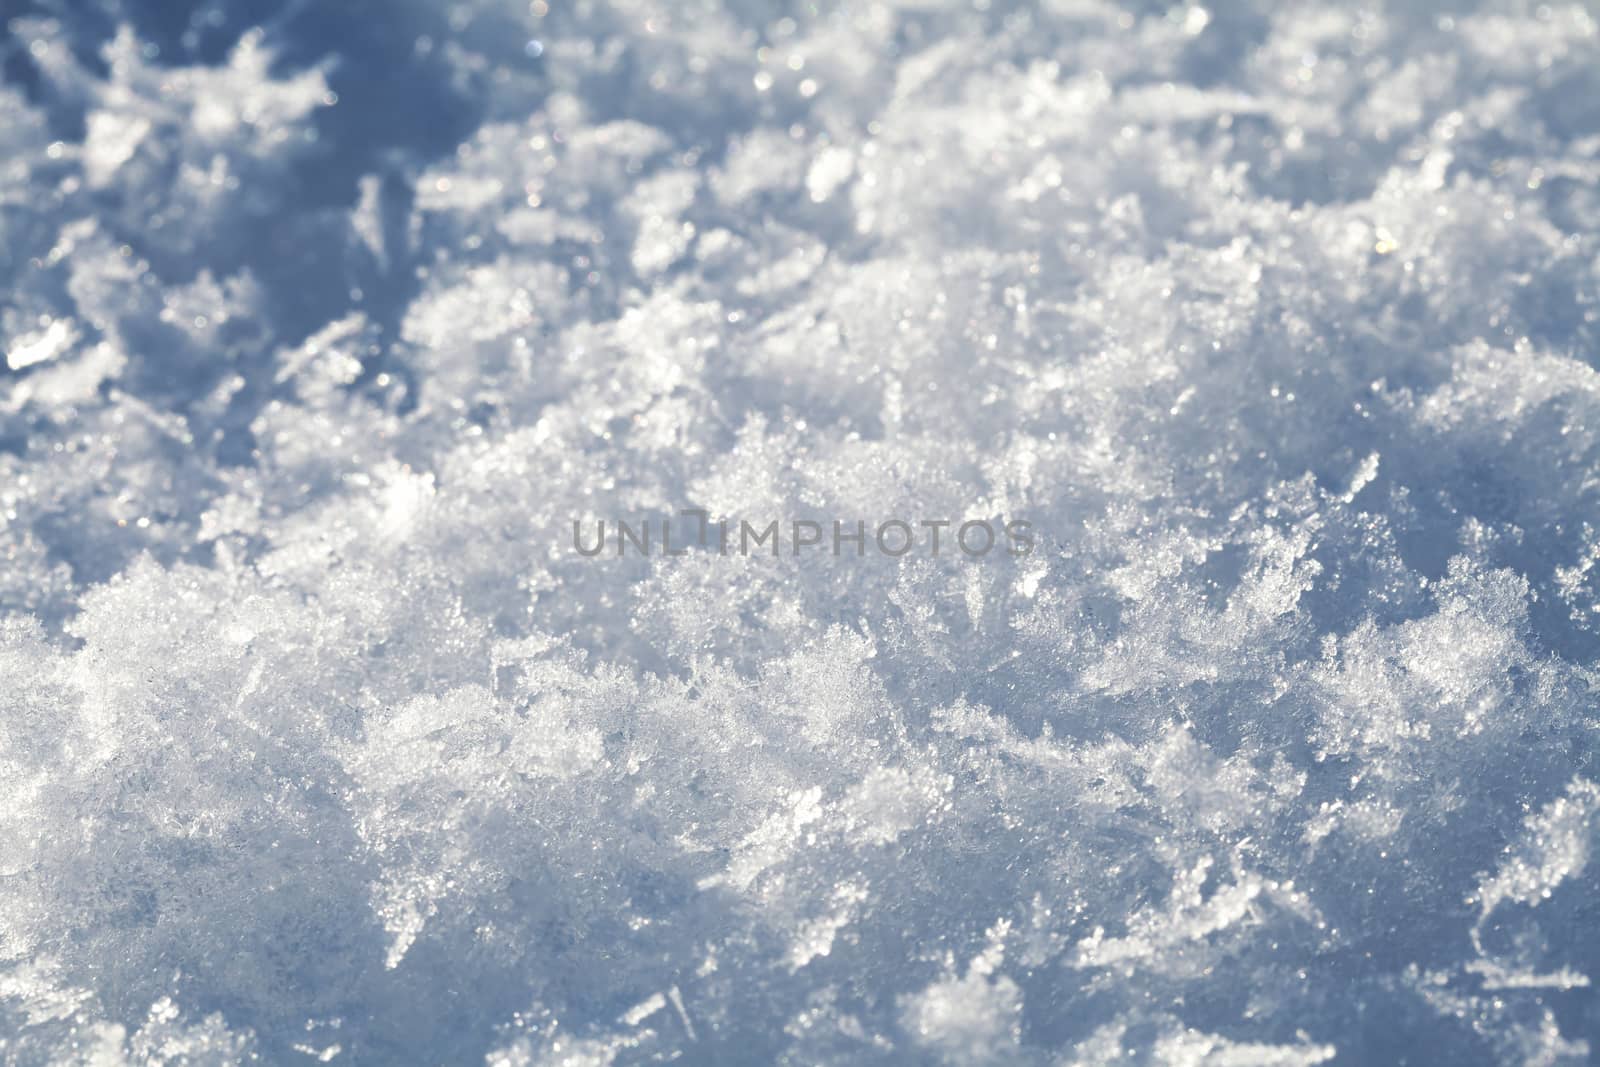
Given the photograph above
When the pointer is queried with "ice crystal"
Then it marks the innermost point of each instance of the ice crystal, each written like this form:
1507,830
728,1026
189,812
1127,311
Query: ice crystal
322,327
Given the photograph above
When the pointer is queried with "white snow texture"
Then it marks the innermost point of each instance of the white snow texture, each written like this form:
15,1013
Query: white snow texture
323,321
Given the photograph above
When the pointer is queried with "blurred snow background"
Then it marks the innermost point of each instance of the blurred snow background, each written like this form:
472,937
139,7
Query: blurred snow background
322,321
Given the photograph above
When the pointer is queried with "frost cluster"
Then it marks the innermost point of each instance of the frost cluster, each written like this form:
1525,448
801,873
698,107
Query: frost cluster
322,323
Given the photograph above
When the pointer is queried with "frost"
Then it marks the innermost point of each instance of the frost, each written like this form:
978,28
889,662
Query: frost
320,330
972,1019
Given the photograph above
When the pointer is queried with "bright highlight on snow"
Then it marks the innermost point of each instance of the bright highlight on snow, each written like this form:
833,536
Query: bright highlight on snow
323,323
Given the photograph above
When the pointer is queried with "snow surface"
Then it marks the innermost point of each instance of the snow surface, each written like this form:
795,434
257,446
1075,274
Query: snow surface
322,322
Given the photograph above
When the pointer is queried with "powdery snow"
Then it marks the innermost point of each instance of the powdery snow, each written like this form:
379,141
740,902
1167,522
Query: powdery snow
323,324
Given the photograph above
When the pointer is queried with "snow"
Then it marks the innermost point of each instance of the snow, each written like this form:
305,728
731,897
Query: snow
325,325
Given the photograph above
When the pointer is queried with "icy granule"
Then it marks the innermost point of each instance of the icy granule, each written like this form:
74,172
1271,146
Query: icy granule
319,333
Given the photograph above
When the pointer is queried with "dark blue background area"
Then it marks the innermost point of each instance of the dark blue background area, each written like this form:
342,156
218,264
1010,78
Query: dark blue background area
397,110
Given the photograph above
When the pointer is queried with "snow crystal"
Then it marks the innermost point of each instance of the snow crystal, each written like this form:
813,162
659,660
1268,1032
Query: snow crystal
322,327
